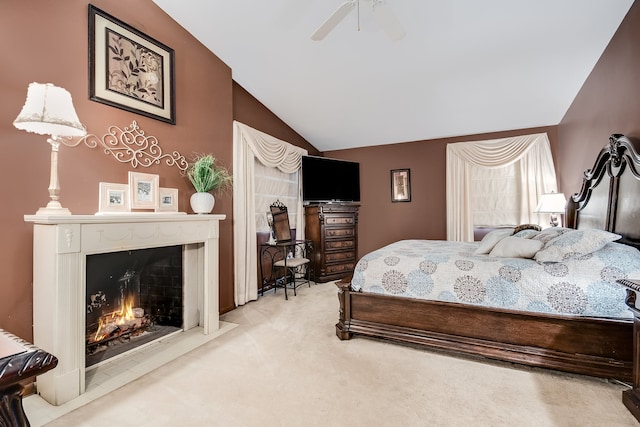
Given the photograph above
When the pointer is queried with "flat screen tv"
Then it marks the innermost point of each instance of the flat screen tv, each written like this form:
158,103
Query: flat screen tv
330,180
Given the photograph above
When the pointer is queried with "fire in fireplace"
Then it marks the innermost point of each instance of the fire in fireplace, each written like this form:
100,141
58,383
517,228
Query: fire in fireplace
133,297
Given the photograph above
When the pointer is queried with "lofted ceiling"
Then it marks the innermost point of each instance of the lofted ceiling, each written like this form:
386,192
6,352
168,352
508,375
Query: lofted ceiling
463,67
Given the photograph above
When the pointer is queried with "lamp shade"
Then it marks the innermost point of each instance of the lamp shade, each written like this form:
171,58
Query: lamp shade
552,203
49,110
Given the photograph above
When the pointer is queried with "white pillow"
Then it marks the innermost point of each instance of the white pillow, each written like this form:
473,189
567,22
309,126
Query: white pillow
516,247
490,239
576,243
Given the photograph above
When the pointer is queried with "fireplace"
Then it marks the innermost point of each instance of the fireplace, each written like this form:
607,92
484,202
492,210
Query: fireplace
133,297
65,250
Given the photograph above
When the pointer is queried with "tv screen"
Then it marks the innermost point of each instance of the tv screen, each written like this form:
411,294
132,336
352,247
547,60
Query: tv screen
330,180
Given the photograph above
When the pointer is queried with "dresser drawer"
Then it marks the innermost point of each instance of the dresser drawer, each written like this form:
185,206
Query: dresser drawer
339,232
339,268
339,256
339,244
339,220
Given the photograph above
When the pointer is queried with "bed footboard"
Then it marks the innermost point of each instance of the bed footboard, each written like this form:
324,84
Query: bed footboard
588,346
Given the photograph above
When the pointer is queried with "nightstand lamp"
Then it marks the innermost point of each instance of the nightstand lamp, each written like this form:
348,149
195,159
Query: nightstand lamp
552,203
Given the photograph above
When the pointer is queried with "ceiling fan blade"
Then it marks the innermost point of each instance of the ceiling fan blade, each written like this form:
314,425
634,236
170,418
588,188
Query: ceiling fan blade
387,20
337,16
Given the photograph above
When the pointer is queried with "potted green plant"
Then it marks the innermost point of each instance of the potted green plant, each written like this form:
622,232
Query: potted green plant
206,176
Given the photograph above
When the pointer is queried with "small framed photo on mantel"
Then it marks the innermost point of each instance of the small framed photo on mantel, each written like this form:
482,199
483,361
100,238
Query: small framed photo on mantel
401,185
168,200
113,198
143,190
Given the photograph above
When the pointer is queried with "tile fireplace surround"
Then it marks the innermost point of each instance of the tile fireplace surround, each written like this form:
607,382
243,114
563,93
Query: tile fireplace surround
61,244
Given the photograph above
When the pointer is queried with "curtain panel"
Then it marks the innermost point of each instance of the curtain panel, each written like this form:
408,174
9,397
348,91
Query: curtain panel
532,153
248,145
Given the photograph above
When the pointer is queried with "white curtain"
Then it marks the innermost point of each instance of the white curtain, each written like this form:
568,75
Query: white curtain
534,165
250,144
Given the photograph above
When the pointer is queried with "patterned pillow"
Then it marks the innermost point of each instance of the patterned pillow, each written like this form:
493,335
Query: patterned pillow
490,239
516,247
574,244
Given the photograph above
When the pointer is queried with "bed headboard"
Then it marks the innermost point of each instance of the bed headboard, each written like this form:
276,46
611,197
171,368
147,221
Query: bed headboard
610,195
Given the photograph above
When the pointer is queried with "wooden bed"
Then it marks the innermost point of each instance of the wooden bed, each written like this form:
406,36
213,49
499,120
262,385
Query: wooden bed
609,200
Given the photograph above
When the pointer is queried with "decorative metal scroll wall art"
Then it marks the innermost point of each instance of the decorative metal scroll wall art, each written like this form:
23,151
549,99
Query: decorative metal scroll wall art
131,145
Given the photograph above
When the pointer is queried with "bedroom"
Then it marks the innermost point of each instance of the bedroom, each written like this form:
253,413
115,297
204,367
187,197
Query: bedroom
605,105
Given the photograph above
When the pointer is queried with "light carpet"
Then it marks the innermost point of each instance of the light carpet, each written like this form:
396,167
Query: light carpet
283,366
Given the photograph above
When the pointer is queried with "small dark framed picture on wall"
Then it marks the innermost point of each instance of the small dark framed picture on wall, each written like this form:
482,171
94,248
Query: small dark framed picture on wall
401,185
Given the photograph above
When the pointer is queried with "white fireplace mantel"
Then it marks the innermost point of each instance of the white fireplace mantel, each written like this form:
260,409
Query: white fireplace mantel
61,244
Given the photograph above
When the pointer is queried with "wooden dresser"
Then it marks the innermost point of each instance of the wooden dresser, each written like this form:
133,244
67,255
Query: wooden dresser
333,229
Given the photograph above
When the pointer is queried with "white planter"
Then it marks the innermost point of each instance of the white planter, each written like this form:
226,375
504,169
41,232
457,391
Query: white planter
202,203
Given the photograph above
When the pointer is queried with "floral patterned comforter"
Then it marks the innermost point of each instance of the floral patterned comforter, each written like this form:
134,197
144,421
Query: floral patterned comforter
449,271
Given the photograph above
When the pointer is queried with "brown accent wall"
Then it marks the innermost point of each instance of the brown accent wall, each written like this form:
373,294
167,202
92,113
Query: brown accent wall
381,221
49,43
609,102
248,110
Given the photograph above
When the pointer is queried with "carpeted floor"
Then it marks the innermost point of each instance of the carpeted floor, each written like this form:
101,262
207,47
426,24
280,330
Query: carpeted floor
284,366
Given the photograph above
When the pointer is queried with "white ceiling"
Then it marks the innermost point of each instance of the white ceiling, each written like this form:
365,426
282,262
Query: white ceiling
464,66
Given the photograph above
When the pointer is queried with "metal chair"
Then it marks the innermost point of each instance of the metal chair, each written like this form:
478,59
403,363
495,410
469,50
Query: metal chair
296,266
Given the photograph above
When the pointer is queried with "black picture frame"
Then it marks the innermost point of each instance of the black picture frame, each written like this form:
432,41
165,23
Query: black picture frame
130,70
400,185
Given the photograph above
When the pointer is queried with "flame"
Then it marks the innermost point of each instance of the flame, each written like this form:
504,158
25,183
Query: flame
126,311
119,317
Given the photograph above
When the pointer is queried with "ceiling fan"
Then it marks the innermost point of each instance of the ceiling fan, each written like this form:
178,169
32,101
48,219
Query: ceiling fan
381,12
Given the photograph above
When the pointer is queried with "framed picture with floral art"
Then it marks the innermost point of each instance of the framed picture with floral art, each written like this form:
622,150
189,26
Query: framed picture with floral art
129,69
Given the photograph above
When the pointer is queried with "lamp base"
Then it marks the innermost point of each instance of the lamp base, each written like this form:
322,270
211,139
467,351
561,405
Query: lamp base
53,211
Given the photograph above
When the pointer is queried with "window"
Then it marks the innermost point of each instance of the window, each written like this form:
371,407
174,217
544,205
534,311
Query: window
495,196
272,184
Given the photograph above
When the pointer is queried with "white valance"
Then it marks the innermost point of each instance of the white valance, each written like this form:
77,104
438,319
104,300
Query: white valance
271,151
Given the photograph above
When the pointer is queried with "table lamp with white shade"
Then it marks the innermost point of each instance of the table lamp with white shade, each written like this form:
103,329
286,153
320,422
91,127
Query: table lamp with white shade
552,203
49,110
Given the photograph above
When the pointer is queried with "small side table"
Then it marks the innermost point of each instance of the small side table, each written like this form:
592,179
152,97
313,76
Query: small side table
631,398
19,361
